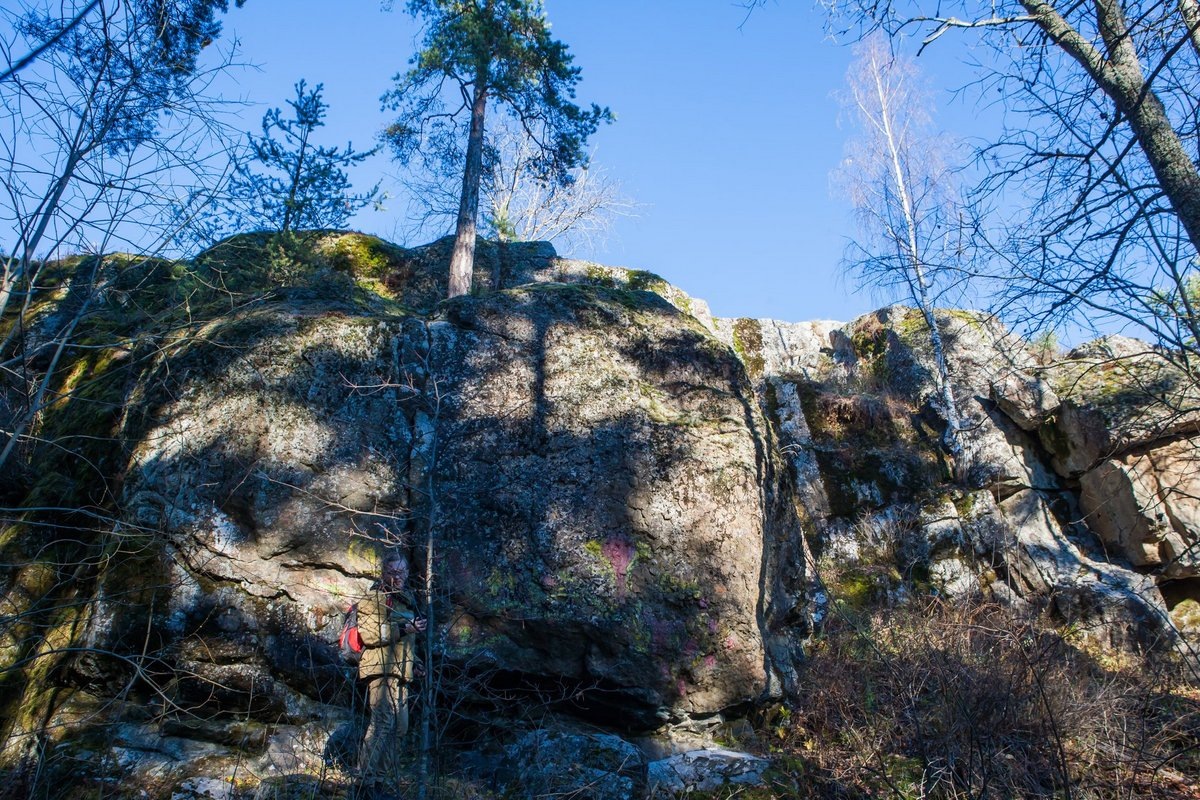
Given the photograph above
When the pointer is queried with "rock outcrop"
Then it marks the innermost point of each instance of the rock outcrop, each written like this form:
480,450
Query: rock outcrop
611,533
1076,494
617,498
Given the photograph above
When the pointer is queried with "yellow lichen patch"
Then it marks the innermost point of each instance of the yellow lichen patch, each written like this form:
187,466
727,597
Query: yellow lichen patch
1186,616
37,695
361,255
32,583
748,343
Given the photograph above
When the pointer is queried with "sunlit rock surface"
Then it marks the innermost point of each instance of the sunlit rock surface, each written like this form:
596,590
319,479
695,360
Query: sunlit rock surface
1075,494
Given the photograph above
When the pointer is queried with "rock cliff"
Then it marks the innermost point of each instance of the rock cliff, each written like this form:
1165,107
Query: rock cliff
626,508
1073,494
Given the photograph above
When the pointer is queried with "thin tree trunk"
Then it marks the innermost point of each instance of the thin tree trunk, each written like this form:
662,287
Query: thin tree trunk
87,136
39,399
427,685
29,248
462,262
289,206
919,286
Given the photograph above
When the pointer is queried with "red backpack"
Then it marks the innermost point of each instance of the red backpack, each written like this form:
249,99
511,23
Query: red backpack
350,642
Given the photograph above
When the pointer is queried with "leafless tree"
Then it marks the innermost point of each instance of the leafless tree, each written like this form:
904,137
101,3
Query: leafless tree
903,194
522,207
1097,157
106,147
519,203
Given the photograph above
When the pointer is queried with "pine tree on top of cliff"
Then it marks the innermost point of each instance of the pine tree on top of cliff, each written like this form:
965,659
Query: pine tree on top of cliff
292,183
481,52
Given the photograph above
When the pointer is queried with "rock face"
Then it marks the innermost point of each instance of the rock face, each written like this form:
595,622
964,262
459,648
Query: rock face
704,771
1126,431
615,497
599,512
587,465
1076,494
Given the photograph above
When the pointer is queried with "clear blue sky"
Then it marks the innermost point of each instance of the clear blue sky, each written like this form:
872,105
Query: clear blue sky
726,134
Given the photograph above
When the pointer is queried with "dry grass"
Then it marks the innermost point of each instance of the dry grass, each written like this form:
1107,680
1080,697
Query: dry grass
970,701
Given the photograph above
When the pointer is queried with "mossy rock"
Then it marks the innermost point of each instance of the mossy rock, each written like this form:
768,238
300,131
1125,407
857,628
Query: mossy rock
641,280
748,343
1186,616
857,590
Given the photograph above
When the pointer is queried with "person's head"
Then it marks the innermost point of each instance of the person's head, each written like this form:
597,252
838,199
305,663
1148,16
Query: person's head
394,570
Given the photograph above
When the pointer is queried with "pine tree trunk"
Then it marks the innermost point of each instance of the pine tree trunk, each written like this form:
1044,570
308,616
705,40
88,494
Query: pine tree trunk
462,262
289,206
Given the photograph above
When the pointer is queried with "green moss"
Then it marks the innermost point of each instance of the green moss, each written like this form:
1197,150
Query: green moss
912,327
32,690
869,339
81,426
600,276
12,537
964,504
362,256
748,344
641,280
856,590
633,301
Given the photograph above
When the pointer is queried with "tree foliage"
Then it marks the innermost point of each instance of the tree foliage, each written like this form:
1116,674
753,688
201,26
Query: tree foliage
113,93
481,52
291,183
182,28
517,204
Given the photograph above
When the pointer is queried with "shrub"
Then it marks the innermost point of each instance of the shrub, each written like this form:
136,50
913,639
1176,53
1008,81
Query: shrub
941,700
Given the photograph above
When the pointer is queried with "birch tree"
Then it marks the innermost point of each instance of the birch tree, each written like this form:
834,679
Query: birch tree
902,195
1097,155
489,54
523,207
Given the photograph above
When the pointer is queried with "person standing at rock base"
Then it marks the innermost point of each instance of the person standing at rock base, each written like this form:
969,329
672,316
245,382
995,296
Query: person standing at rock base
388,624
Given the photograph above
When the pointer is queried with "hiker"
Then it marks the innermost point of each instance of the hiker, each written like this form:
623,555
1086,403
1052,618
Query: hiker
388,625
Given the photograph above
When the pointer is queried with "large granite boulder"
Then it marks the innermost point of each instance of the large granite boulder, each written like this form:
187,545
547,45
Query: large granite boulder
1116,394
1144,505
591,459
586,465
